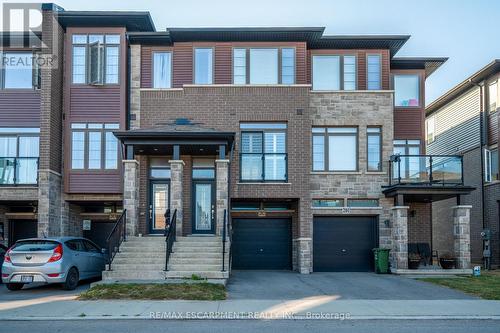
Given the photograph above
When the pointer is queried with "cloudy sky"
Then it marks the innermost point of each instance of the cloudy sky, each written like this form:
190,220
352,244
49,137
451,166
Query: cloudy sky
466,31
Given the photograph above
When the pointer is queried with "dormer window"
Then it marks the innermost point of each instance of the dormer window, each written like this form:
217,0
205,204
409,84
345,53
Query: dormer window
96,59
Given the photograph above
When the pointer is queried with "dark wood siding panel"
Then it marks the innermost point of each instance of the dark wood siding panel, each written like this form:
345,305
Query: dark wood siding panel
95,104
183,64
408,124
493,132
20,108
361,70
85,182
385,70
146,67
223,63
301,76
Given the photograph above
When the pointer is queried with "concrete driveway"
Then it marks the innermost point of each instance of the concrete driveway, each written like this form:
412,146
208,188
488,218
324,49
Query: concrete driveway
42,292
370,286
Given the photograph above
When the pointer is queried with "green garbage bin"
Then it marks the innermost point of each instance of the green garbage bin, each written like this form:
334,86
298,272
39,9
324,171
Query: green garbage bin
381,260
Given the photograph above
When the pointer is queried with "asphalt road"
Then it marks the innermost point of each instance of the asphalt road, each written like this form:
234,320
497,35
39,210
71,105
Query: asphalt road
243,326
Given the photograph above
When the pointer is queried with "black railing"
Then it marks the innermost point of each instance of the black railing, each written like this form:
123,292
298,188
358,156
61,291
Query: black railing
440,170
115,238
225,233
170,231
18,171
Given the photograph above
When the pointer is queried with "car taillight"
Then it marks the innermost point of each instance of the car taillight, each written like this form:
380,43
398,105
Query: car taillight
57,255
6,257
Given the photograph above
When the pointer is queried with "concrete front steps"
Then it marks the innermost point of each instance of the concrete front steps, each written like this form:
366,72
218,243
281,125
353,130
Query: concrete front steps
140,258
143,259
197,255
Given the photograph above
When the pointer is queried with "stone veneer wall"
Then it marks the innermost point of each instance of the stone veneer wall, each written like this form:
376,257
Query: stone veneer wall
356,109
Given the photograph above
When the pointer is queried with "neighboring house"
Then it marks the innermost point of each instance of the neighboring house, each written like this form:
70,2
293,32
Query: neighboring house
465,121
283,138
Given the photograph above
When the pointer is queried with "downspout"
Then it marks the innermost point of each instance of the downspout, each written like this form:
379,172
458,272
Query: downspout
481,144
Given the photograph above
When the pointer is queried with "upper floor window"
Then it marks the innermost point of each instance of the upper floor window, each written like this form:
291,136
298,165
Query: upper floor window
373,71
203,65
406,90
94,146
264,66
162,70
96,59
491,172
19,71
493,96
410,166
334,72
263,152
335,148
430,129
19,158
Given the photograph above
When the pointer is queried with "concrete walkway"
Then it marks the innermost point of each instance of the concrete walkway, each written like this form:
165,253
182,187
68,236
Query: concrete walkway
316,307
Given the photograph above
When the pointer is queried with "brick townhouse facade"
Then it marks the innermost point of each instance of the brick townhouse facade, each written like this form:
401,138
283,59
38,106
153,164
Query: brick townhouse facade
297,150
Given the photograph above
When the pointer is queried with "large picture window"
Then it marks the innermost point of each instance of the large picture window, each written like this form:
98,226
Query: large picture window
263,152
335,148
19,70
406,90
94,146
264,66
96,59
334,72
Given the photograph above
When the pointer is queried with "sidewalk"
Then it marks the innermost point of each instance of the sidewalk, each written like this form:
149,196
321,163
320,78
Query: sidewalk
320,307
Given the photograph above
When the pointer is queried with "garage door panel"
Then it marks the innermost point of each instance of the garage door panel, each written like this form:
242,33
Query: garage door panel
261,244
344,243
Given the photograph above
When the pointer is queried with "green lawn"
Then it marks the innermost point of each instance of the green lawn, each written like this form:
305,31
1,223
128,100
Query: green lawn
486,286
186,291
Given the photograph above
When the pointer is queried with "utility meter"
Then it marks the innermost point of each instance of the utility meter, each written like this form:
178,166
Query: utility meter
486,234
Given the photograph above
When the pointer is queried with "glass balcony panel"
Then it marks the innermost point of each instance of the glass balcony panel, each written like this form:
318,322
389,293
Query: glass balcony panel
426,169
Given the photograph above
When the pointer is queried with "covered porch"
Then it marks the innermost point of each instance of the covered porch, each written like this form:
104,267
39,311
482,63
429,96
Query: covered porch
182,167
416,181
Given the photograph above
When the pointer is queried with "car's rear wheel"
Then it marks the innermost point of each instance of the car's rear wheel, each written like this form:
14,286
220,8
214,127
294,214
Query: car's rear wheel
15,286
71,279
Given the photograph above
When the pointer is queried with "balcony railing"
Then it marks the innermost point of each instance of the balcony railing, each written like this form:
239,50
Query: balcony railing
436,170
18,171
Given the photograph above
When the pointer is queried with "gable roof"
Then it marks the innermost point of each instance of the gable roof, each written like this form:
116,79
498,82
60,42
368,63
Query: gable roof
485,72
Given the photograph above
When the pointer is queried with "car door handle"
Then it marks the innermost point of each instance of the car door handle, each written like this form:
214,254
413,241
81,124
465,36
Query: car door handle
343,250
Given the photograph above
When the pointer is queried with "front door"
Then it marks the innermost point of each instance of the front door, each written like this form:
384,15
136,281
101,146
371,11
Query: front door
203,207
158,205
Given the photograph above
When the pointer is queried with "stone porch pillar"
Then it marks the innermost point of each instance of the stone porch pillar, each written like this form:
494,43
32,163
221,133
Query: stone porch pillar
176,191
461,235
222,193
399,233
131,195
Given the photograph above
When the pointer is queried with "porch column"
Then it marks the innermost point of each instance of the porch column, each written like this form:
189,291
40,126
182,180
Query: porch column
461,235
399,233
222,192
176,175
131,195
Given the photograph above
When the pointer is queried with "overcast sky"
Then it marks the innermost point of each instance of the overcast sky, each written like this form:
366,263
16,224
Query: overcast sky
466,31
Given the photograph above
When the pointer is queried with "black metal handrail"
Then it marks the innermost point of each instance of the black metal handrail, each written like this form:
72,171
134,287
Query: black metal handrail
426,170
224,240
170,232
10,168
115,238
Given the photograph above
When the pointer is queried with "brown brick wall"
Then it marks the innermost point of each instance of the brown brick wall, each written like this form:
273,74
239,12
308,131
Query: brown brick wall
419,223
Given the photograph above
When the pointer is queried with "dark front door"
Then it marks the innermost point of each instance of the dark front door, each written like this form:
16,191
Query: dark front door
159,202
203,207
344,244
21,229
262,243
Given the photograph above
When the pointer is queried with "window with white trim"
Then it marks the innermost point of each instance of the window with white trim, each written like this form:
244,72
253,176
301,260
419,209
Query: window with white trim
162,69
94,146
95,59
